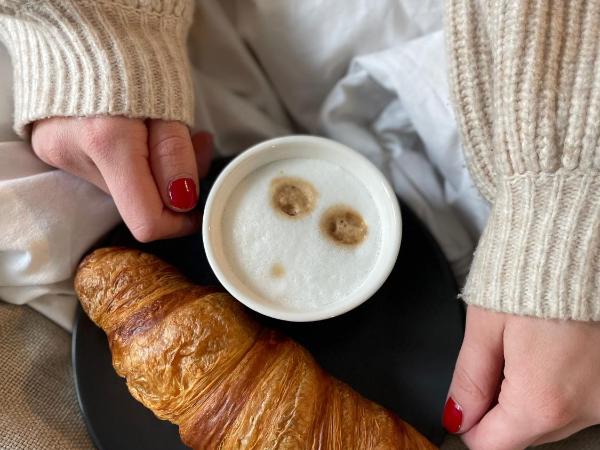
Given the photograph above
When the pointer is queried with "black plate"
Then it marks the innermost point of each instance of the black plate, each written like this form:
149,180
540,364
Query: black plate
397,349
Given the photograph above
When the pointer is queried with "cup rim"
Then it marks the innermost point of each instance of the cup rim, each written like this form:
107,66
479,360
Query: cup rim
371,283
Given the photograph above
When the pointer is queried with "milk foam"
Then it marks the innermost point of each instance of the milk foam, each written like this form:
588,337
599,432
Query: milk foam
315,272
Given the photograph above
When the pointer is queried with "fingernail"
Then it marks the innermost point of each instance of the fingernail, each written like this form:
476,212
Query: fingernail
453,416
182,193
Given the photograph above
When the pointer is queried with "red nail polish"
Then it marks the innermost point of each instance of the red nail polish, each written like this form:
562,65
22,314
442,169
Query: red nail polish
453,416
182,193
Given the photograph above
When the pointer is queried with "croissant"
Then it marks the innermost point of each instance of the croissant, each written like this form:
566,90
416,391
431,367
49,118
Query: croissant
195,357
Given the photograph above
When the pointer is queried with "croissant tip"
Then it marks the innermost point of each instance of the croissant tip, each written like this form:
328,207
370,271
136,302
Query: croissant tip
90,263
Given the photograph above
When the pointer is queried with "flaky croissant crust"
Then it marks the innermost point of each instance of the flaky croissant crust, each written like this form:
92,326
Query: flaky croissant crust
196,358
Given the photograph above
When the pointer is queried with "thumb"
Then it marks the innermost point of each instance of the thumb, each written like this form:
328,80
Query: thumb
173,163
477,372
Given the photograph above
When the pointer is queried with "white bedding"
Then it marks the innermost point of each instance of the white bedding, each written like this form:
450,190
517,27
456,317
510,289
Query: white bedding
369,73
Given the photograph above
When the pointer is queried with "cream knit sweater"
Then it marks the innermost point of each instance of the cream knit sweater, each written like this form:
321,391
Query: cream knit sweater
526,84
98,57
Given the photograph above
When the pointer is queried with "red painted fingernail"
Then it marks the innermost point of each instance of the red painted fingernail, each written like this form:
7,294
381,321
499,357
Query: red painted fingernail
182,193
453,416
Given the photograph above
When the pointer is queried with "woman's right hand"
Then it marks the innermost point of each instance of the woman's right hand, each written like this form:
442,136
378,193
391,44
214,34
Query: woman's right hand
150,168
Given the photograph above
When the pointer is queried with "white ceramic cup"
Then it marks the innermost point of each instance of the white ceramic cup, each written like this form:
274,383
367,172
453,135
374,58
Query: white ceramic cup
302,147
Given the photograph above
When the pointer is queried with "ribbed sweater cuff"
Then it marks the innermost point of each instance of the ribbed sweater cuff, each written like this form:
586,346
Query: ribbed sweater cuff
98,57
540,252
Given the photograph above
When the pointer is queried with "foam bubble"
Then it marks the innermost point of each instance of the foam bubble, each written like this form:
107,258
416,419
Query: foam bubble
258,238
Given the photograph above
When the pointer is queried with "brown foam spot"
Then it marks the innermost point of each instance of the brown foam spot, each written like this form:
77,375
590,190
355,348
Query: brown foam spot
277,270
343,225
293,197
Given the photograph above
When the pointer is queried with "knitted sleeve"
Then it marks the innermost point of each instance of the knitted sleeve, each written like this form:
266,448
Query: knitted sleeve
98,57
525,77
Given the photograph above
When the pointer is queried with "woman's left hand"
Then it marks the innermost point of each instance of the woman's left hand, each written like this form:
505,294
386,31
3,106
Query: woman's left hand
523,381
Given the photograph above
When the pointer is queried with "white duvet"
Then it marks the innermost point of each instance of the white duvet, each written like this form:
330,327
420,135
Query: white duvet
368,73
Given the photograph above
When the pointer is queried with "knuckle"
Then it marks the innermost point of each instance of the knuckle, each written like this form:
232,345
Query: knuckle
146,231
41,151
52,153
554,411
466,384
97,140
143,233
170,147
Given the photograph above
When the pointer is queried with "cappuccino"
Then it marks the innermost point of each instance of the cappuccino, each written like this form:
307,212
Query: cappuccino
301,232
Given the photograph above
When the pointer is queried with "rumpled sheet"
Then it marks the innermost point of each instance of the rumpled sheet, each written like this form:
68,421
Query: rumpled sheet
368,73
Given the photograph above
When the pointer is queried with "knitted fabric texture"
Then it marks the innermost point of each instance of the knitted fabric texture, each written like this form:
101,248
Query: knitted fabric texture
98,57
525,78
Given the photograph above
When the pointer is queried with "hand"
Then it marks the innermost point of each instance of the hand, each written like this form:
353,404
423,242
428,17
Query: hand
150,168
523,381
